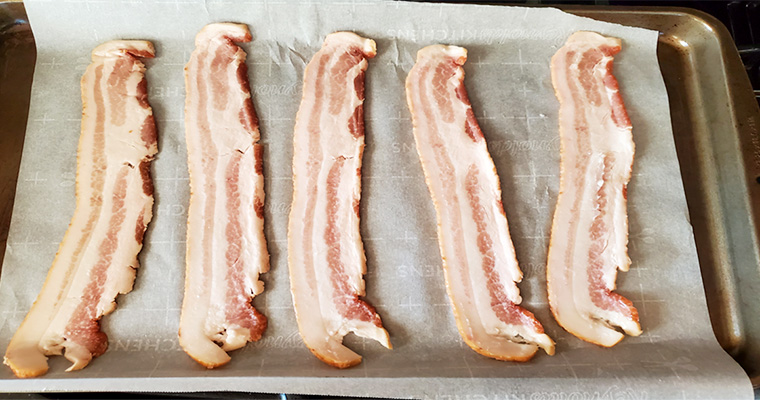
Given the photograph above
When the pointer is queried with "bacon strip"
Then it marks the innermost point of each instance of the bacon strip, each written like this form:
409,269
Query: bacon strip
97,257
590,229
479,260
226,248
325,251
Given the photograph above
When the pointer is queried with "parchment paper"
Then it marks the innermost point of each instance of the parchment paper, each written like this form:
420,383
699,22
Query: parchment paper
509,85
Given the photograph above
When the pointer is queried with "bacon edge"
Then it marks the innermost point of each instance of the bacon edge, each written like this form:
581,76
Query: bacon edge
97,257
466,193
226,248
596,140
325,252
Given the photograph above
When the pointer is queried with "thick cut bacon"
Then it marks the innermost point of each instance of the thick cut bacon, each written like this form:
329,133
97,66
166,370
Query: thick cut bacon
226,248
590,229
479,260
325,251
97,258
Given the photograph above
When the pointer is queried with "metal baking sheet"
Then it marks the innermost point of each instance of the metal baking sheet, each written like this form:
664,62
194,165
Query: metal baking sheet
318,383
715,124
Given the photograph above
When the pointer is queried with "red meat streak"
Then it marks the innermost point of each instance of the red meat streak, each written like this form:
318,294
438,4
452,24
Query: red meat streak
445,168
83,327
345,298
504,309
590,93
239,310
507,311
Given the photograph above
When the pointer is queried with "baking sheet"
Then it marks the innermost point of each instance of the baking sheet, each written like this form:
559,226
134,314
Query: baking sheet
509,86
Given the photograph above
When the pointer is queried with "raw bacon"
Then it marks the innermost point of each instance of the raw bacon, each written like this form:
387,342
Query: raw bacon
97,257
590,228
226,248
478,256
325,251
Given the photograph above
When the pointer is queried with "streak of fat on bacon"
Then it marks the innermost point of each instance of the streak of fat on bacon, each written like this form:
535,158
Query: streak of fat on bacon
479,259
325,251
97,257
226,248
590,229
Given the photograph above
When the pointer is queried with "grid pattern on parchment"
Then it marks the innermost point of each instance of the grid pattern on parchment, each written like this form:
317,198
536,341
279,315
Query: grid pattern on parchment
509,86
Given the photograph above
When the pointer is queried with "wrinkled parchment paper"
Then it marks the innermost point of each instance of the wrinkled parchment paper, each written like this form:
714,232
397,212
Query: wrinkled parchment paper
510,88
